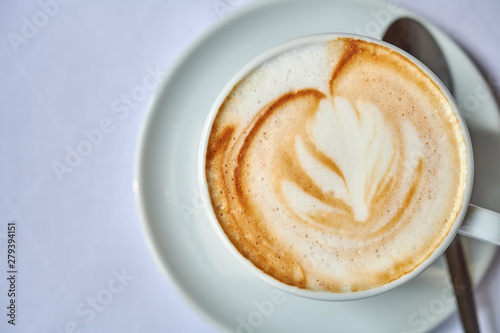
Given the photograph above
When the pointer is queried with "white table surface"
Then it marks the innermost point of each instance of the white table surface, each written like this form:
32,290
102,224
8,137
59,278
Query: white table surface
78,231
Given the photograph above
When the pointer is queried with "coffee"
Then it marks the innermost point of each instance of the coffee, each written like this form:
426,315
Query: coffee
336,166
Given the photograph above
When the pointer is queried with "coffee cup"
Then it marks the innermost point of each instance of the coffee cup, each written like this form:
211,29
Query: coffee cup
338,167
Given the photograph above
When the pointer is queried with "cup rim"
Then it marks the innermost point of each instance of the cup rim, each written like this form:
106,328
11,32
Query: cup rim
325,295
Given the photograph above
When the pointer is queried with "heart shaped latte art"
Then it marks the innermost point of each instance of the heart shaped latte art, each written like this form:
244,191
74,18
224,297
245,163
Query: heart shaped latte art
349,153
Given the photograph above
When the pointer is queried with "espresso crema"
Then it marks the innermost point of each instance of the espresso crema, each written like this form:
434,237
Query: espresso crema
336,166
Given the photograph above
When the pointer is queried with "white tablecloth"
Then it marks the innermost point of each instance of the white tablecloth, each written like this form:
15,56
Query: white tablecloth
76,78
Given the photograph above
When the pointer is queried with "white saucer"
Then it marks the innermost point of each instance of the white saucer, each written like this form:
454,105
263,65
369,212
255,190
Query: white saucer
179,233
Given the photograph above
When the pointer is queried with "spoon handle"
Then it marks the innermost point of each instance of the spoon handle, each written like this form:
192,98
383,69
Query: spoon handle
462,285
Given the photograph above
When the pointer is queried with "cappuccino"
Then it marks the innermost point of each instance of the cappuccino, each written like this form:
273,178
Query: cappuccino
336,166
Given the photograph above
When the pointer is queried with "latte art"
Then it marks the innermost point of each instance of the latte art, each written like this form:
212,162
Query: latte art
351,154
336,166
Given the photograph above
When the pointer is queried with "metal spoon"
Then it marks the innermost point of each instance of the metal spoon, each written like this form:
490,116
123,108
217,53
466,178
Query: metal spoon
415,39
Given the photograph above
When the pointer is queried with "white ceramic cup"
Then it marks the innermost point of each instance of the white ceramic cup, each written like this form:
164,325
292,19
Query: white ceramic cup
472,221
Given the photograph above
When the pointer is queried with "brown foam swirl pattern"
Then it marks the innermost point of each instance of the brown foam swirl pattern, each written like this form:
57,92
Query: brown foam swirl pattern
342,184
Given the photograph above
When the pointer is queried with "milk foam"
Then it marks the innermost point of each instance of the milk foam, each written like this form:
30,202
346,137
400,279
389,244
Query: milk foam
336,166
